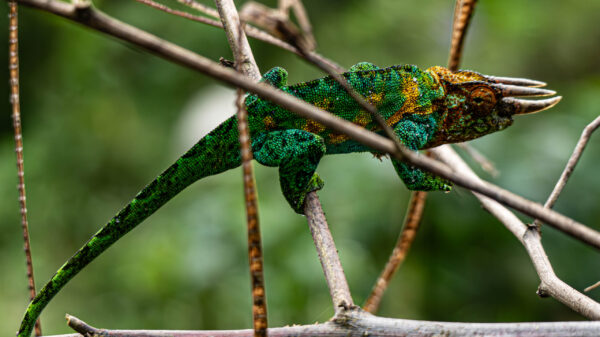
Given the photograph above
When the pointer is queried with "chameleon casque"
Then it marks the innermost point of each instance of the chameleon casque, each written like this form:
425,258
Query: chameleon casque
426,108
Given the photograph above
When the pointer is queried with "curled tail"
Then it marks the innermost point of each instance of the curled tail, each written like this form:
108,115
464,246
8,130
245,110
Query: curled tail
216,152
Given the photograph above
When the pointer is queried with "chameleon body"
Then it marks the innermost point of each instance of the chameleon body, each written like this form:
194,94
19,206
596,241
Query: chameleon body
425,108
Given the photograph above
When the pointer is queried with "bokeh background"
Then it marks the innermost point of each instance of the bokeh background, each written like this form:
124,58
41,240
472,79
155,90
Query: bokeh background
102,118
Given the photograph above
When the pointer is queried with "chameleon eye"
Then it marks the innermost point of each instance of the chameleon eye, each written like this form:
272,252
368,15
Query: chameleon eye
483,97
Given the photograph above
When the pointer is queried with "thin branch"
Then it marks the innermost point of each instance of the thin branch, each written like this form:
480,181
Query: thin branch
202,8
592,287
405,240
463,12
528,236
13,66
330,261
237,39
245,64
99,21
573,160
355,323
255,255
480,159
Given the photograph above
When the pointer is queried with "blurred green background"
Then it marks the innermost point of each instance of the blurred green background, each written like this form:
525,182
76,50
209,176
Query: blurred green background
102,118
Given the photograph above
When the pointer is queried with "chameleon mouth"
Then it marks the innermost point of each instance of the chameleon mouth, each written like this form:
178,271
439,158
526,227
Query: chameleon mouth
522,87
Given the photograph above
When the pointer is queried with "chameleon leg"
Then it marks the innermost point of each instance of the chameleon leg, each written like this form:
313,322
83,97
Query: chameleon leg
297,153
276,77
414,135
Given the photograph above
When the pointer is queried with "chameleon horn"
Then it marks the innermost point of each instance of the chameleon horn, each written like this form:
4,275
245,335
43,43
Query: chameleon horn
516,81
515,90
522,106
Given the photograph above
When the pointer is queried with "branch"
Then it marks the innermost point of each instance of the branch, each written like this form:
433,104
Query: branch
330,260
357,323
237,39
573,160
99,21
530,238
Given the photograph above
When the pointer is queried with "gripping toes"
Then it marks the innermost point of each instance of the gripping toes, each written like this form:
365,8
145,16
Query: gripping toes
297,153
416,179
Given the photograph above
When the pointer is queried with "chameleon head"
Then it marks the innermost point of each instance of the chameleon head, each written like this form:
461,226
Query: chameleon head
474,105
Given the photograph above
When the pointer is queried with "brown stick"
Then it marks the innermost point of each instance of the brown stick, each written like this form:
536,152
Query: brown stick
463,12
13,66
245,64
330,261
407,235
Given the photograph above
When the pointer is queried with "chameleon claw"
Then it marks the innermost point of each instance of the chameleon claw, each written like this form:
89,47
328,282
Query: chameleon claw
515,81
522,106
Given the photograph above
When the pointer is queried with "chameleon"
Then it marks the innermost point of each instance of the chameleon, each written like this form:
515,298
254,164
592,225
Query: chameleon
425,108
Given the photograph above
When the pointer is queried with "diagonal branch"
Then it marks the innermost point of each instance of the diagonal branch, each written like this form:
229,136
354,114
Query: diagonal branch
530,238
573,160
330,260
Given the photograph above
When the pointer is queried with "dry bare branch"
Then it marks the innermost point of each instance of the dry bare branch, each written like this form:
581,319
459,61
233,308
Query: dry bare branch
357,323
528,236
245,64
573,160
463,12
330,261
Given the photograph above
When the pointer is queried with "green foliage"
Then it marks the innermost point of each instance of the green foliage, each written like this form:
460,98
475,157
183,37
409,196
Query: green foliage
102,119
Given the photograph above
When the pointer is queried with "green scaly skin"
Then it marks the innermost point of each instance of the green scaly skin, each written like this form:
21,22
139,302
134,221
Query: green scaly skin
425,108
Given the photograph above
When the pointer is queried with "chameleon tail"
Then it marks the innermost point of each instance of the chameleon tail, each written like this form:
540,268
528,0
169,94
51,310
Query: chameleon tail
216,152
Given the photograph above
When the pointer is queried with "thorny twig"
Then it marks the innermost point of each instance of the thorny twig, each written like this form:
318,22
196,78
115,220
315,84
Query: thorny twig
13,66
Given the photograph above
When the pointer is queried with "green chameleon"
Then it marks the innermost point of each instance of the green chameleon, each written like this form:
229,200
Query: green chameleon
425,109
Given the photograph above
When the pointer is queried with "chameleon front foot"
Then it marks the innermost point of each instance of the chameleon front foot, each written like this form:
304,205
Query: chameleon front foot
297,153
416,179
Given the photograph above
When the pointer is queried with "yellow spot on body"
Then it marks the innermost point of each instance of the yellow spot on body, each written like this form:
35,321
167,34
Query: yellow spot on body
362,118
323,104
375,98
336,138
313,127
411,93
269,123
